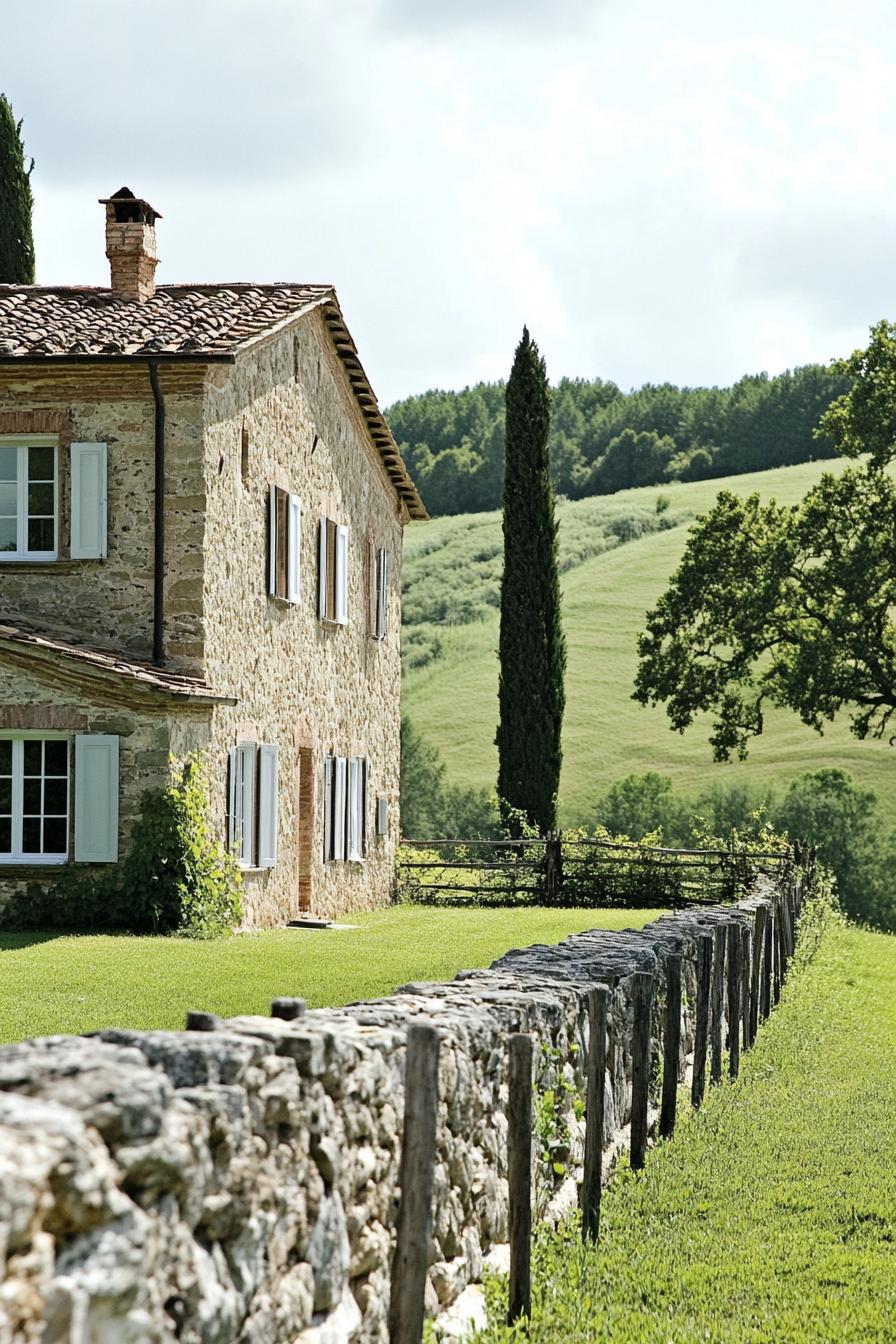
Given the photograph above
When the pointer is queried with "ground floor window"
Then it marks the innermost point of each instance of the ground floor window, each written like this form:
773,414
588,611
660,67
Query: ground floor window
252,804
345,808
34,799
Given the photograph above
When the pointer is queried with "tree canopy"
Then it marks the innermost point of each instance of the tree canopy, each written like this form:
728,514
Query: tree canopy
791,606
16,242
602,439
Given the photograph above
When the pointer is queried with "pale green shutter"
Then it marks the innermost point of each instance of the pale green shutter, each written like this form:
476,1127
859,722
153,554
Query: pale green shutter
342,575
267,805
96,798
294,544
89,507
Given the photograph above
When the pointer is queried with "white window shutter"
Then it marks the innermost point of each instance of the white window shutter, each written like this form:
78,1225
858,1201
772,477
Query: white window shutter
339,805
382,816
247,803
328,808
353,810
267,805
364,778
89,505
272,540
322,570
96,798
294,535
234,797
342,575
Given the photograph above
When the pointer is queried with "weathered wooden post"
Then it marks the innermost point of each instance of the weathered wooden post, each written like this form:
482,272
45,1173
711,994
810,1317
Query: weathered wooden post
553,868
519,1175
671,1045
716,1002
288,1010
642,1002
759,923
418,1155
734,999
202,1022
768,944
701,1018
745,980
779,954
596,1069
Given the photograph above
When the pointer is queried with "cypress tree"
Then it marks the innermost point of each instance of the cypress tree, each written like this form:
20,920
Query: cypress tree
16,242
532,649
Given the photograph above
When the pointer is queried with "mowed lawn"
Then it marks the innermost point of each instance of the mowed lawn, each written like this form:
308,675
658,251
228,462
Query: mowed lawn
71,984
770,1218
453,701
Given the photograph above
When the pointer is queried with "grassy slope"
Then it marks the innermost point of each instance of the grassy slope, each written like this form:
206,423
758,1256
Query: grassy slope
77,984
771,1216
453,701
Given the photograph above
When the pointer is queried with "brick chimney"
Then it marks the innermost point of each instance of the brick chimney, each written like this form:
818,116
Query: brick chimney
131,245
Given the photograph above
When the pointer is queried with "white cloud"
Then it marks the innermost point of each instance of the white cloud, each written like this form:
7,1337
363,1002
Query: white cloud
687,192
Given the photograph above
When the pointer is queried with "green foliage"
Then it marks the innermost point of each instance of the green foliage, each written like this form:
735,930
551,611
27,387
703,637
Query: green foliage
557,1101
432,809
863,419
16,202
602,439
784,606
54,983
175,878
770,1215
531,648
178,871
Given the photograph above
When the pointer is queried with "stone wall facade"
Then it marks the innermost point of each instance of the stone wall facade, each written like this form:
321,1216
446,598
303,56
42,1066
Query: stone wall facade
283,414
242,1184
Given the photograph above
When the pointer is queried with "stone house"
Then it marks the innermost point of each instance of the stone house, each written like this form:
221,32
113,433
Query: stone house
201,514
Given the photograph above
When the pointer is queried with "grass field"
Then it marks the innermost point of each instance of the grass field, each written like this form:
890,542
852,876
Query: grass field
452,699
770,1218
74,984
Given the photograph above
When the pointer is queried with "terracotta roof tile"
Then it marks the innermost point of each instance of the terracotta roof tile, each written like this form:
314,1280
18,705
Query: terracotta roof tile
198,322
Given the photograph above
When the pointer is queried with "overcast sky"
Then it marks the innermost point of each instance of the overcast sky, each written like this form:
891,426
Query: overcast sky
682,191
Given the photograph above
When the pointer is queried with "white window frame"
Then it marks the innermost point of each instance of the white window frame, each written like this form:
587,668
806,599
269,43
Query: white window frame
381,621
17,856
22,442
345,808
293,545
341,553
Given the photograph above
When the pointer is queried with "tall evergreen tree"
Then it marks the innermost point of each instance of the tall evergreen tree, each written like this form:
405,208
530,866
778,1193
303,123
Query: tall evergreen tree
531,647
16,242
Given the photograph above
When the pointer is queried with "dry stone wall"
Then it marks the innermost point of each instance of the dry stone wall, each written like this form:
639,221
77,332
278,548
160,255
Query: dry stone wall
242,1183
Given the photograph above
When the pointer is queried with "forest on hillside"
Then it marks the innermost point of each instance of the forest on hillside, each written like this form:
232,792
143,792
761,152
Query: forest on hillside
604,439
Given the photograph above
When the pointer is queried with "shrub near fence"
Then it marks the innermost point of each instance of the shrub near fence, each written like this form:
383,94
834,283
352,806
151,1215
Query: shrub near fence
585,871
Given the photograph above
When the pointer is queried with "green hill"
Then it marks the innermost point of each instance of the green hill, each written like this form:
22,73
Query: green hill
617,553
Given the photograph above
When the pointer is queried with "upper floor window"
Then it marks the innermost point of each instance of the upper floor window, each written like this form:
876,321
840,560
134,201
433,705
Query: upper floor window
284,534
29,507
333,572
381,594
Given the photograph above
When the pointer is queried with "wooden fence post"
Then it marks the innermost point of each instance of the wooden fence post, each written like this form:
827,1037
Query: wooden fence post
701,1022
519,1174
202,1022
746,948
288,1010
715,1019
758,942
642,1001
779,955
768,945
592,1174
418,1153
671,1045
553,868
734,999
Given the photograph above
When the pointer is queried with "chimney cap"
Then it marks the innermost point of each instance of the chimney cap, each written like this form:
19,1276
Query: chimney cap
130,209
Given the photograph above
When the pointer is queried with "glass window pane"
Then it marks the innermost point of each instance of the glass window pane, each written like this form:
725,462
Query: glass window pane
5,797
33,753
31,797
41,464
5,757
40,534
55,836
31,835
40,499
5,835
8,462
55,797
8,499
56,758
7,534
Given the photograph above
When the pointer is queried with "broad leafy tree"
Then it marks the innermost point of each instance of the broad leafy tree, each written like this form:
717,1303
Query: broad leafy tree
531,649
791,606
16,242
